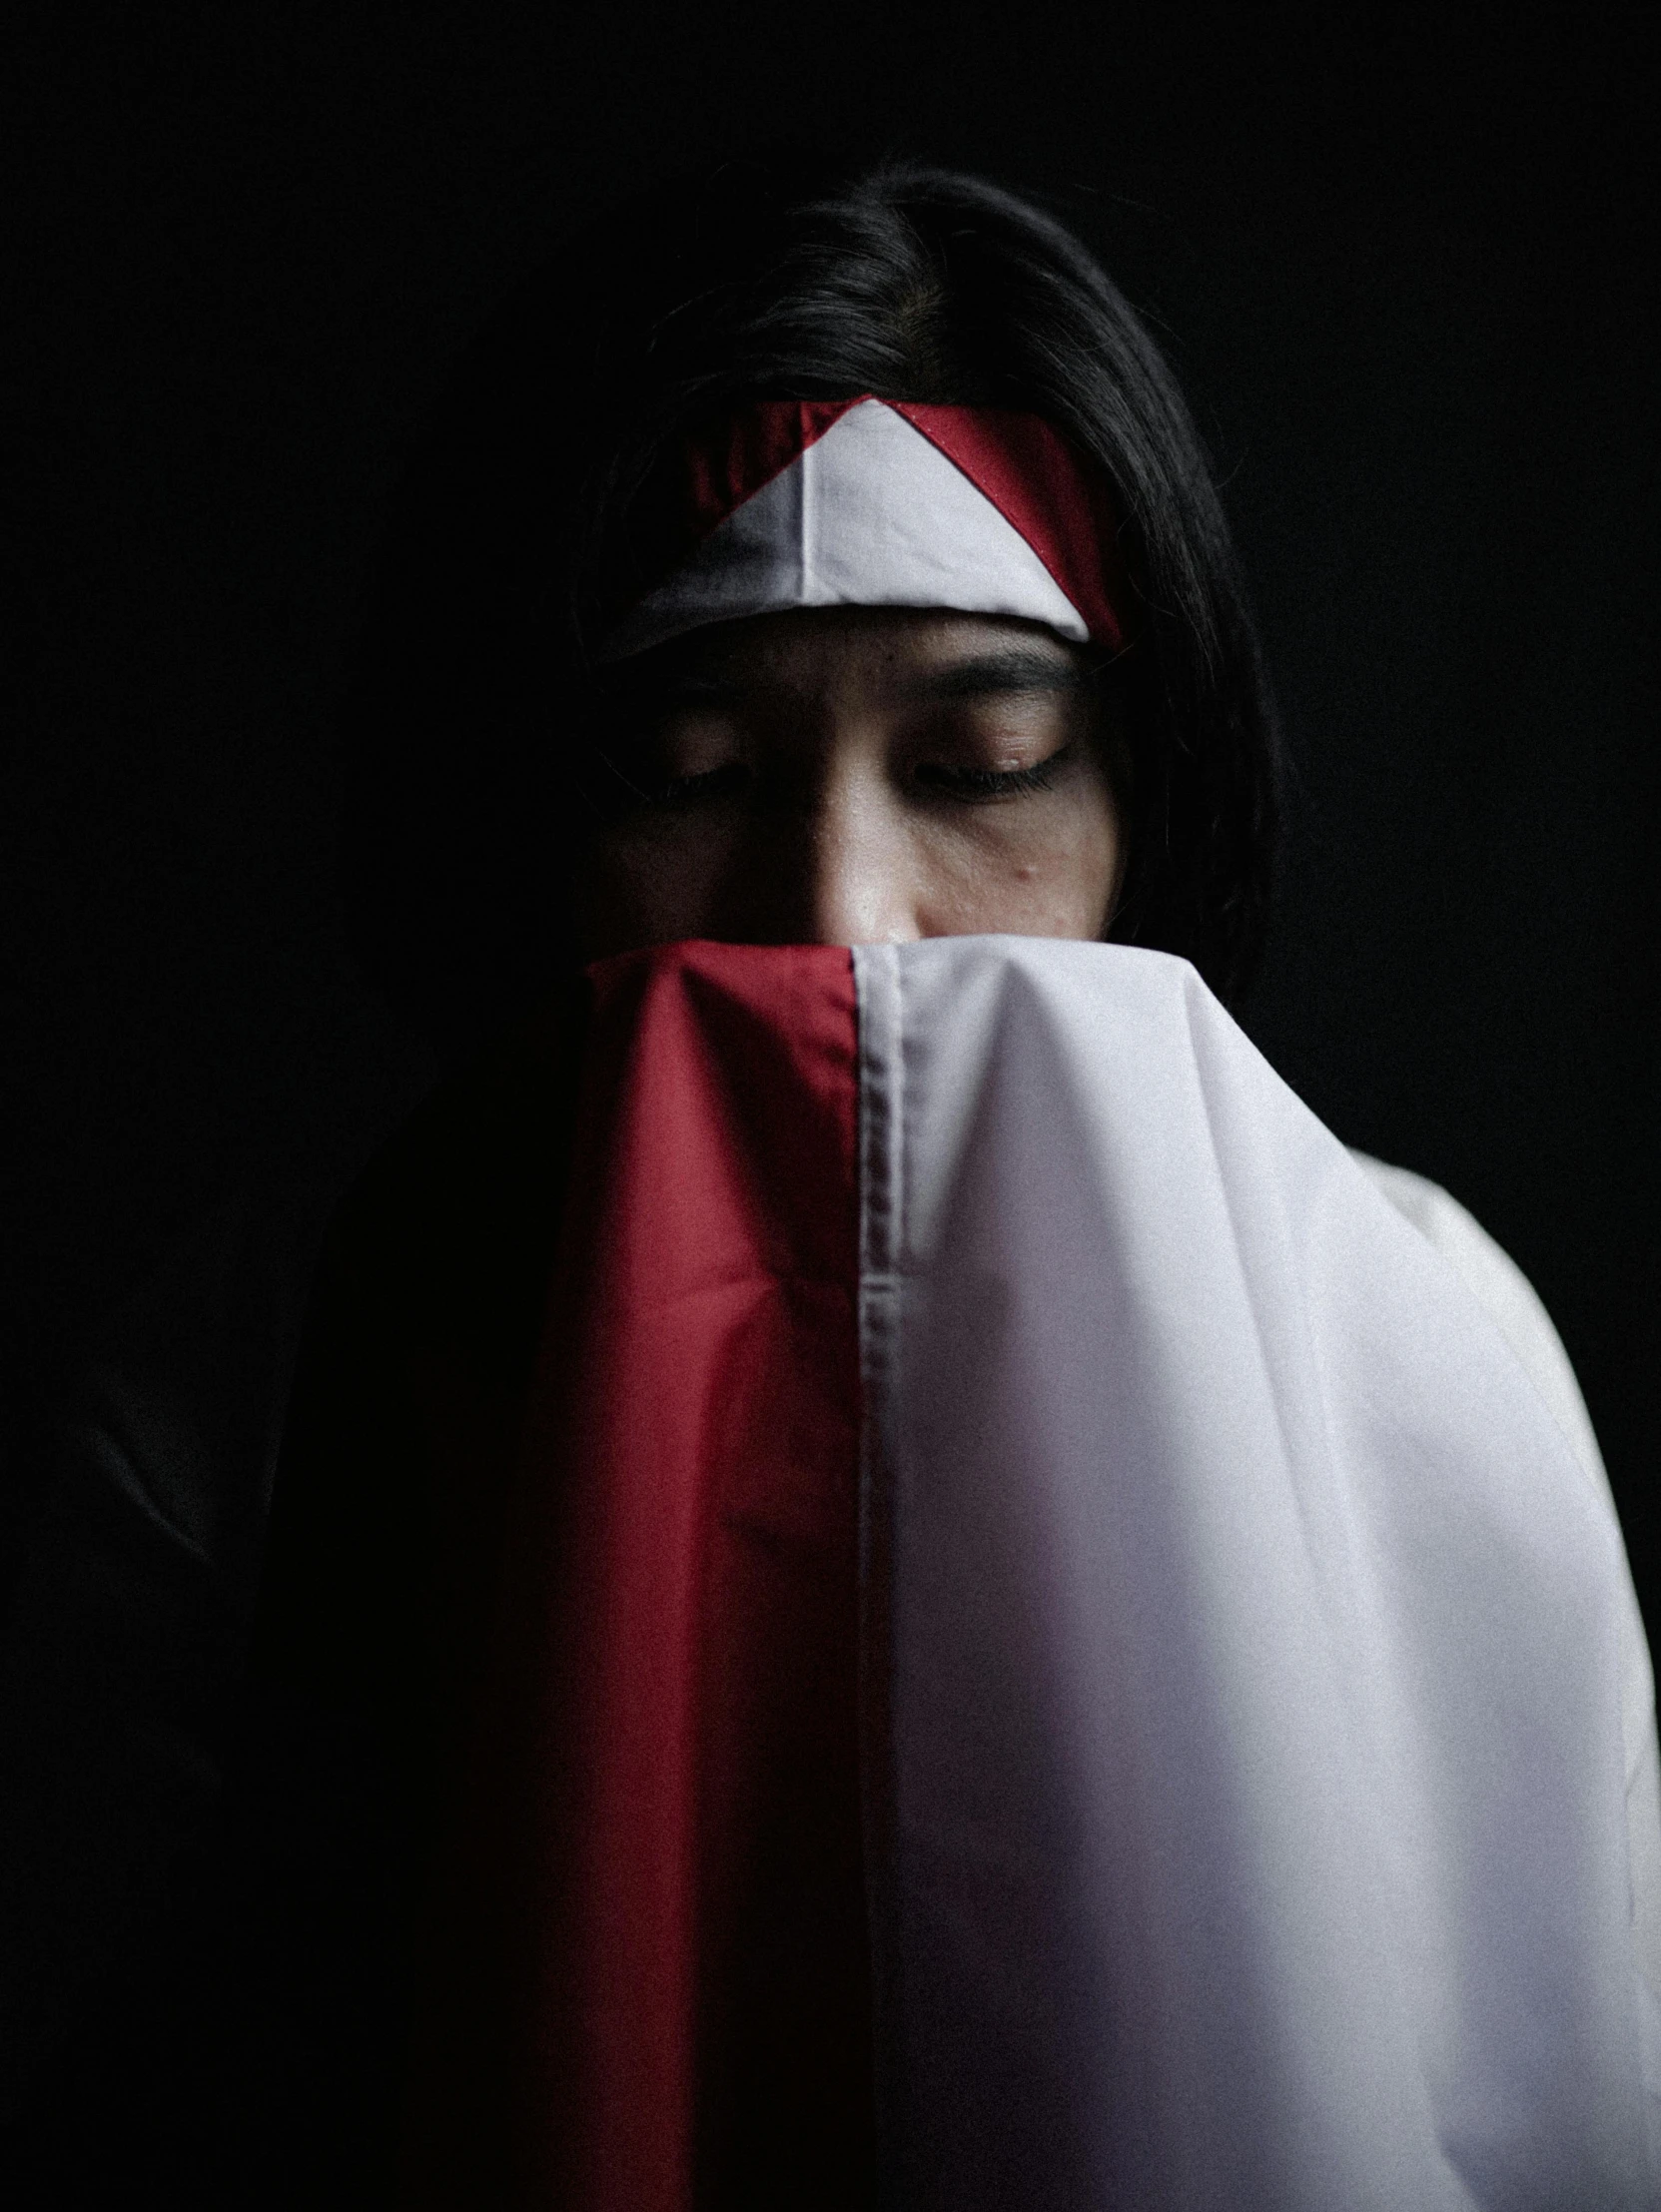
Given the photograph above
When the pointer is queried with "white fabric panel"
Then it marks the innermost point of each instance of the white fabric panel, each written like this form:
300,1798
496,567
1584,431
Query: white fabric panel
871,515
1495,1278
1510,1298
1256,1816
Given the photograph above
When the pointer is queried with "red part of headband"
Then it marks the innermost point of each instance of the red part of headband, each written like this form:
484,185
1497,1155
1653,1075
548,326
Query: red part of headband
1019,461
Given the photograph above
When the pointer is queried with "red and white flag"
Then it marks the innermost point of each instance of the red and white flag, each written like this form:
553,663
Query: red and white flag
1050,1649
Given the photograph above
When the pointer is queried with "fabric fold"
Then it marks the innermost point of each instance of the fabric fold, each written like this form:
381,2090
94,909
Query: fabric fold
648,1984
1259,1831
982,1619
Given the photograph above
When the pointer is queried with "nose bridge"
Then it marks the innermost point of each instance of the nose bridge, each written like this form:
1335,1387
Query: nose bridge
858,859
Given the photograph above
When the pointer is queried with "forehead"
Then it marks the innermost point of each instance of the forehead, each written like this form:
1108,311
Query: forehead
823,648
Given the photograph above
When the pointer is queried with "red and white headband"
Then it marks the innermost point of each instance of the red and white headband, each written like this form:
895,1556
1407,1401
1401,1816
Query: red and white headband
875,504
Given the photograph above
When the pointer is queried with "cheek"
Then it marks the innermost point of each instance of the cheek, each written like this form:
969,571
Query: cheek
1046,870
1098,864
638,888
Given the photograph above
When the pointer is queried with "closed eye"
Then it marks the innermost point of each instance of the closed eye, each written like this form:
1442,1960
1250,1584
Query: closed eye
693,791
977,786
968,786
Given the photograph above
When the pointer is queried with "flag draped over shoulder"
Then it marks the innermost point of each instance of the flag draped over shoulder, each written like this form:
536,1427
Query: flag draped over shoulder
991,1623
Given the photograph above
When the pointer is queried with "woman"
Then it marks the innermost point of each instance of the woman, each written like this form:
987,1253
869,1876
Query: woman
941,1600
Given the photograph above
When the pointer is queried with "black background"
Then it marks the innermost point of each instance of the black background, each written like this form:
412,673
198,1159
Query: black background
1408,278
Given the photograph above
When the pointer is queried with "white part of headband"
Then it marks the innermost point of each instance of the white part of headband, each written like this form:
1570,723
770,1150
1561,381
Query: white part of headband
871,514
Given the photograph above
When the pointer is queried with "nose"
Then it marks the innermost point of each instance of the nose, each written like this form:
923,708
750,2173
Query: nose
860,880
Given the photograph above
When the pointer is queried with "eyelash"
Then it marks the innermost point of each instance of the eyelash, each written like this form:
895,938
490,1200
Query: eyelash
978,784
974,786
682,791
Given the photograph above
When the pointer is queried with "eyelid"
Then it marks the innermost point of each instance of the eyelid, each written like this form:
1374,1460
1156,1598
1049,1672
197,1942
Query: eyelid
969,782
704,783
1013,722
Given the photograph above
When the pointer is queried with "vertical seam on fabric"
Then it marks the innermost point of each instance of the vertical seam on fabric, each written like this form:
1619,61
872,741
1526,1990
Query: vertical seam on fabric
880,1126
808,469
881,1183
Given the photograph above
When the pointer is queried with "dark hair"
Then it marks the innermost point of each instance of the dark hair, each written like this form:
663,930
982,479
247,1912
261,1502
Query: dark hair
521,512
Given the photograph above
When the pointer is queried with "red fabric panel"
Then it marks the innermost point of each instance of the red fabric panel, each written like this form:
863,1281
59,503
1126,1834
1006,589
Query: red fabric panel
649,1984
747,450
1038,486
1024,467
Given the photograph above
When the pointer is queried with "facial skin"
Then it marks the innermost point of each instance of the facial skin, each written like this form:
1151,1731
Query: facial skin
855,776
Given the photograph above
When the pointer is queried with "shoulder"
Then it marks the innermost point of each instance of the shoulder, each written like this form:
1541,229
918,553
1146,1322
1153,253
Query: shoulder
1499,1286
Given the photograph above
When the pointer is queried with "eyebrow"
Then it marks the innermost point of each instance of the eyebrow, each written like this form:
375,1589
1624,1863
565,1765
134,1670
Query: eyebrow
1014,670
